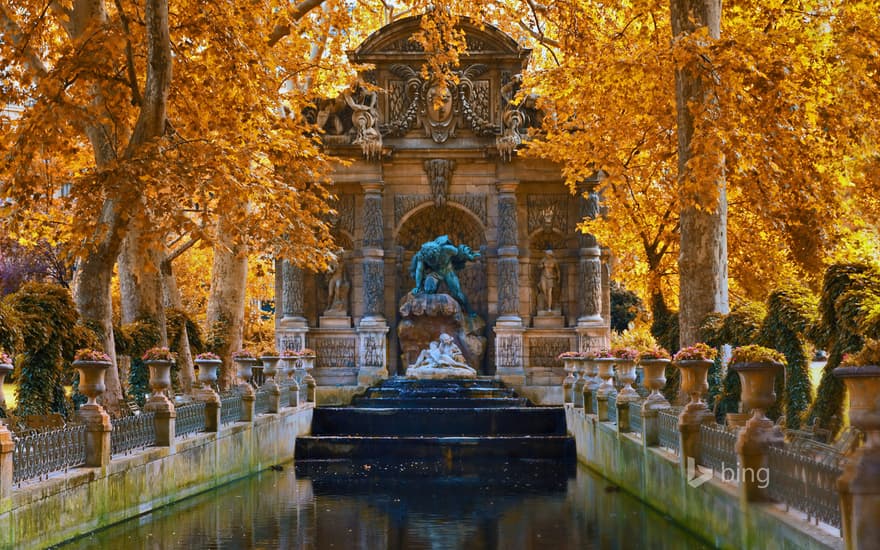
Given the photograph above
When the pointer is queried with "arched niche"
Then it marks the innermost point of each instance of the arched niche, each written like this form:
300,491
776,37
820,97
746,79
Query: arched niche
316,283
428,222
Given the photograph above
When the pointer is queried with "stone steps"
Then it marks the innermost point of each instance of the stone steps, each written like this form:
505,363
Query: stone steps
437,421
467,421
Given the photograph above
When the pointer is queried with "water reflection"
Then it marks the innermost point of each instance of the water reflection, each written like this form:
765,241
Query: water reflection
501,505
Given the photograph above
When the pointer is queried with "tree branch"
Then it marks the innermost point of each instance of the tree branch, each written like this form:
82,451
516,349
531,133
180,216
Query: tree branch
297,13
11,29
129,57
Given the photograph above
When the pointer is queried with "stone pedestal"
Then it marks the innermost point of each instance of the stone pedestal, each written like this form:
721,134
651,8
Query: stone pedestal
509,367
548,319
98,429
752,445
248,402
294,394
164,419
291,333
623,401
372,353
334,321
7,447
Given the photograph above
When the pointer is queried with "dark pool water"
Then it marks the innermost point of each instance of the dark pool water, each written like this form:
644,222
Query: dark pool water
494,505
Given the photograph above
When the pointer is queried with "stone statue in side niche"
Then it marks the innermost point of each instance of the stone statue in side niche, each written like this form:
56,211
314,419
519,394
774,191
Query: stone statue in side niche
548,283
442,359
337,288
440,261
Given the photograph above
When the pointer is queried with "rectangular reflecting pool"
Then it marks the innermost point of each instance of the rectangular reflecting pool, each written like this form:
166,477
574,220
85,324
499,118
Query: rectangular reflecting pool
401,505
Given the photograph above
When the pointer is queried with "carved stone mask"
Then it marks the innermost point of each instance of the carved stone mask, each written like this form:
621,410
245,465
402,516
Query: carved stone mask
439,103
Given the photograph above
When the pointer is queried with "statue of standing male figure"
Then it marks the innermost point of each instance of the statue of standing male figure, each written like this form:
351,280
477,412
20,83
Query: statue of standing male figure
440,260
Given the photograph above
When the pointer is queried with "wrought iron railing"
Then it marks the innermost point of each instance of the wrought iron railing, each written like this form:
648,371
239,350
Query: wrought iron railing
612,407
667,424
717,448
635,417
261,404
803,483
190,419
230,409
133,432
39,454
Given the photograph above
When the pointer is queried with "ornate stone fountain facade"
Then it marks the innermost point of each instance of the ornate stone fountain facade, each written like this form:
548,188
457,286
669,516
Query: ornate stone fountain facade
429,161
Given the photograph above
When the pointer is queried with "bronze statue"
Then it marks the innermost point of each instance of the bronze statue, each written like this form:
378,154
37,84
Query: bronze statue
440,260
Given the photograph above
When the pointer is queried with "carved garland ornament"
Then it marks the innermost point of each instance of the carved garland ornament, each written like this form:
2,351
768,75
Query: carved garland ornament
436,105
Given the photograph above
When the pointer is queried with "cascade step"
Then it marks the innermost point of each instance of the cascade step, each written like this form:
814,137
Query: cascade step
434,448
469,421
438,402
472,392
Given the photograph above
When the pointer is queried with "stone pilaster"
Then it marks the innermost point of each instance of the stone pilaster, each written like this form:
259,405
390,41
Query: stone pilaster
372,329
509,329
293,327
591,328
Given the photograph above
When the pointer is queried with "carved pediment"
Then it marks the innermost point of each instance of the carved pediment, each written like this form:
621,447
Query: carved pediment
396,38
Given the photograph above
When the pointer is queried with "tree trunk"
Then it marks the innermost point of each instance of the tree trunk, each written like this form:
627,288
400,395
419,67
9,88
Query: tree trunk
227,300
173,300
140,281
703,256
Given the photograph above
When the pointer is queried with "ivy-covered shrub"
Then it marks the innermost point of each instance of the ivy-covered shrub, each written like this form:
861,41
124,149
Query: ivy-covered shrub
846,308
625,306
46,319
665,330
790,312
176,320
710,333
9,334
140,336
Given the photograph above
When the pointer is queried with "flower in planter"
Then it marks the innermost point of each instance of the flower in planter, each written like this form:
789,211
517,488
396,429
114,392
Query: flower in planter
697,352
88,355
601,354
269,351
868,355
756,354
569,355
5,359
289,353
159,354
243,354
627,354
654,352
207,356
306,352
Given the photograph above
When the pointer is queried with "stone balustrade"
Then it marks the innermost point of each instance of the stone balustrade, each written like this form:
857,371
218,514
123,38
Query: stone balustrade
752,460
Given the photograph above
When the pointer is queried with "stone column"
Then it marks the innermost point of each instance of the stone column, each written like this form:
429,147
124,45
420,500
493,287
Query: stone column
591,330
293,326
372,329
509,329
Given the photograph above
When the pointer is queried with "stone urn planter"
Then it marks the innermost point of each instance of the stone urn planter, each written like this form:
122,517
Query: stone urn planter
863,386
654,378
859,485
6,368
270,366
694,382
208,370
606,374
626,374
160,375
91,380
757,379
